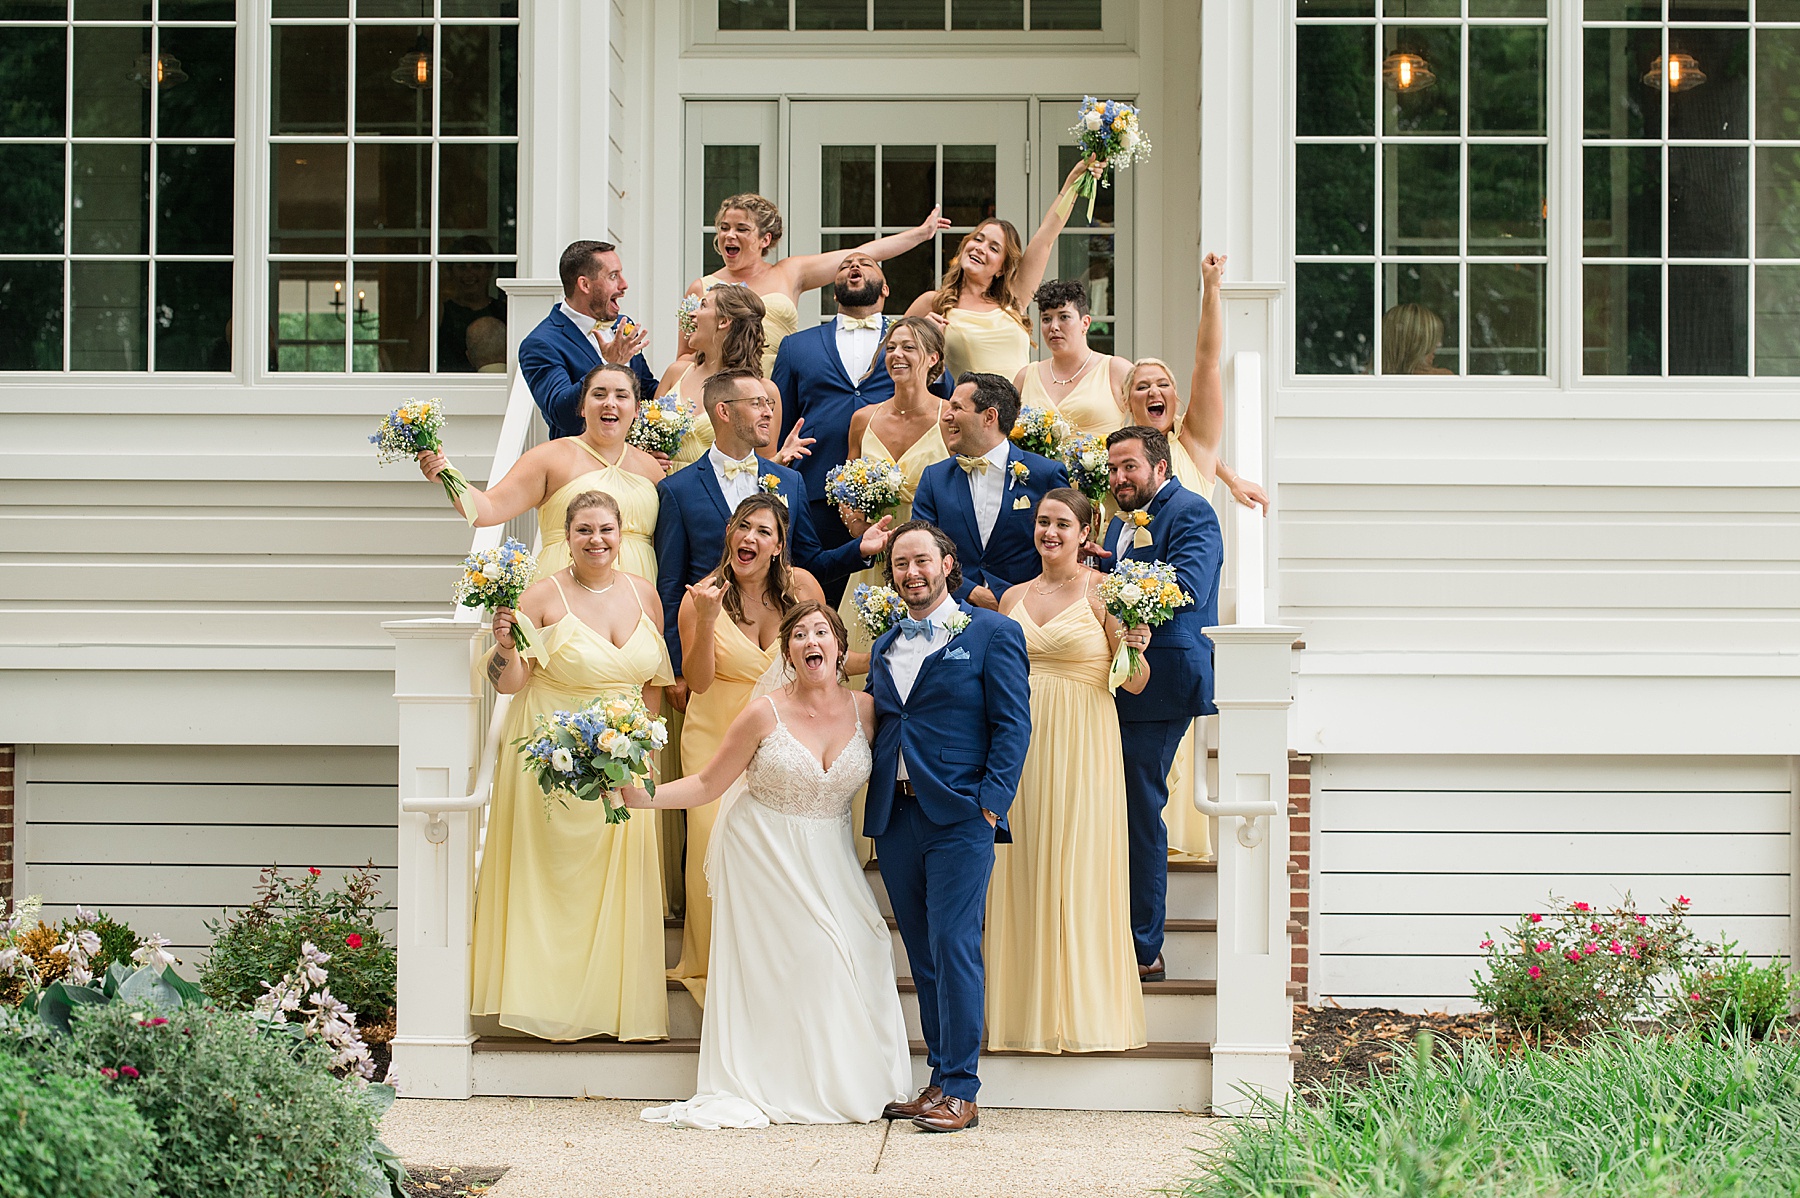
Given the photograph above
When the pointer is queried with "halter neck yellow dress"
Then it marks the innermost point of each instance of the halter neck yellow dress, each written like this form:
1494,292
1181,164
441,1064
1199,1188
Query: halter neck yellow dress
738,666
696,443
1190,833
1061,968
780,317
568,938
991,342
1091,406
636,497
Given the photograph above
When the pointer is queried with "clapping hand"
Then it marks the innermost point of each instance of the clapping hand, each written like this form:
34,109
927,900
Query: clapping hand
796,446
621,349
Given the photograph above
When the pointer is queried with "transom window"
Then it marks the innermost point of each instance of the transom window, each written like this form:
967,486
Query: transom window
1691,187
118,131
393,183
909,14
1420,187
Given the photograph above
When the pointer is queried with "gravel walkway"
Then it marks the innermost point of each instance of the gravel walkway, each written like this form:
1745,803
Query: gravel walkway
578,1148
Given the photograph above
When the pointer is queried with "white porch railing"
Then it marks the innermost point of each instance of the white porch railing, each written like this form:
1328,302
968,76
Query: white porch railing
1252,669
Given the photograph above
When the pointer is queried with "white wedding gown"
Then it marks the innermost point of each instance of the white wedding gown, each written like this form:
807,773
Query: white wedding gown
803,1021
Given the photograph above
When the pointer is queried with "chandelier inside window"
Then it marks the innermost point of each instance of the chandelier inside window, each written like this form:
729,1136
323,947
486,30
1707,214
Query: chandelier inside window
1681,74
166,72
417,69
1407,73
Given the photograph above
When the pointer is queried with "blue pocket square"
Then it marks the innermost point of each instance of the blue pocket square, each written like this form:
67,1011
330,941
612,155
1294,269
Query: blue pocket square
957,653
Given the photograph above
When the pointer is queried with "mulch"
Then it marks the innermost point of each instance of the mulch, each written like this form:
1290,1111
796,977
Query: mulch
450,1181
1344,1044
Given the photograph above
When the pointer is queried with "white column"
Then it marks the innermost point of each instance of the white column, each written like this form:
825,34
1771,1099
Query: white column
1255,1019
565,76
528,301
435,891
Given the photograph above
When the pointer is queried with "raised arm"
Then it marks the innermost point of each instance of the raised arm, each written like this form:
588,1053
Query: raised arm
735,751
1203,426
1043,242
805,272
699,620
524,487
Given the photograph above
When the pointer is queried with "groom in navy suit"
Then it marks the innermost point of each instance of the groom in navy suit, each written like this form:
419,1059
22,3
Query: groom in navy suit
952,690
585,329
1160,520
986,496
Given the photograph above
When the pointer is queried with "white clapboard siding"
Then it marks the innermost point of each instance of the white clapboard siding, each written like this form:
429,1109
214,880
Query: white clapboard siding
1417,858
168,837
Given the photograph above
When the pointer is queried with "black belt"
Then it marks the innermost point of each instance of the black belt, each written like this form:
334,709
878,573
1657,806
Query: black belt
905,789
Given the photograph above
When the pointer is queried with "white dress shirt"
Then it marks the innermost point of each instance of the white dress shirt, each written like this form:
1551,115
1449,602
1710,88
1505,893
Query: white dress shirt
1127,530
738,489
906,656
987,488
856,347
586,325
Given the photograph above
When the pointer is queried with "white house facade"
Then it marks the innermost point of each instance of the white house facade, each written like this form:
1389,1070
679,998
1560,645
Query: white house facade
1514,311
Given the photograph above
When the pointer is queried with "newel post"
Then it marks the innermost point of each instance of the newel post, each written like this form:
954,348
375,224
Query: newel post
435,892
1250,1050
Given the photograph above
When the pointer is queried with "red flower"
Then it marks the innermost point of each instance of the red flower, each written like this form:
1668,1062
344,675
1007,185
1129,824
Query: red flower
1573,954
1590,948
1534,917
1535,971
1594,928
128,1071
1683,899
1615,948
1542,946
1487,944
1581,906
313,870
157,1022
1643,919
1694,997
109,1074
353,940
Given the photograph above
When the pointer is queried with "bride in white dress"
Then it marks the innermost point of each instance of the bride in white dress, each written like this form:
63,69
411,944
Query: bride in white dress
803,1021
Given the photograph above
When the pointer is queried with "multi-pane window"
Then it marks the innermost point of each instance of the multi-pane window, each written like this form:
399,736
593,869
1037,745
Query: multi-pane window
910,14
1420,187
117,164
1691,187
393,183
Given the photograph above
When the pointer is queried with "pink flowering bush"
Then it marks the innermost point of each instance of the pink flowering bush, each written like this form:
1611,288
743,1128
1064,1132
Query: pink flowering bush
1573,967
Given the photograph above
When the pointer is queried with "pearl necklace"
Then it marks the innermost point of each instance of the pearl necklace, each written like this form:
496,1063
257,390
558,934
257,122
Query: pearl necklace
590,590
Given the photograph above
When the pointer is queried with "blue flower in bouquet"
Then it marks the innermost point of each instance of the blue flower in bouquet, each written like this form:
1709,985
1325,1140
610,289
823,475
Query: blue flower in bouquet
494,578
662,425
593,753
1107,130
867,485
1041,431
877,608
1086,459
416,427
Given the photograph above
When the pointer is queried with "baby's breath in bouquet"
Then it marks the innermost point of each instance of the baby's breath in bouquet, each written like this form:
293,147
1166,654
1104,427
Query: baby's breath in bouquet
684,314
1107,130
867,485
662,425
1085,457
594,753
1041,431
1141,593
416,427
878,608
496,577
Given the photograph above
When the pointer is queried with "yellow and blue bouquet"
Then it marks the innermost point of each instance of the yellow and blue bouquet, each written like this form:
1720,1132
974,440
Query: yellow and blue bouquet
415,427
1041,431
1141,593
1108,130
1085,456
867,485
496,577
662,425
594,753
879,608
684,314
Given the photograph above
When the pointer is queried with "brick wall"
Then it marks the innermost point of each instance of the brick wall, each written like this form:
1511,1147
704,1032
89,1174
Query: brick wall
1300,845
6,821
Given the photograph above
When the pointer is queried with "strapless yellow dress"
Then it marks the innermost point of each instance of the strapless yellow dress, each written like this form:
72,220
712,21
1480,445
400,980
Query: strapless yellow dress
1190,833
991,342
1091,407
738,666
1061,968
568,938
696,443
780,317
636,497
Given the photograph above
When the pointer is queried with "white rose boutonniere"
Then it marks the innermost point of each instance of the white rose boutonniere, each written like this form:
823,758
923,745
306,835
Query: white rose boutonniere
956,623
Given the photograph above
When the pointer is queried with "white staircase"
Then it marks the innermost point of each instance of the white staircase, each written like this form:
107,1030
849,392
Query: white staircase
1219,1027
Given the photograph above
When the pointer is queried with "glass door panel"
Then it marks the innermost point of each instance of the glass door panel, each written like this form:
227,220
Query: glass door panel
730,150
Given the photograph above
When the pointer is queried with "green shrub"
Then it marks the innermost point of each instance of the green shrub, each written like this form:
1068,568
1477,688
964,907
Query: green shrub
262,942
241,1109
1577,968
1624,1115
68,1136
1734,995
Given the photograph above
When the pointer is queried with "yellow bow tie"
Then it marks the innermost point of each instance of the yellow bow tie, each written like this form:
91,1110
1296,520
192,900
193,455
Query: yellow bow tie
734,469
973,465
860,322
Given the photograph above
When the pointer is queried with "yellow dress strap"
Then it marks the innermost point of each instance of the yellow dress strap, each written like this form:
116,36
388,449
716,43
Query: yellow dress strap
595,454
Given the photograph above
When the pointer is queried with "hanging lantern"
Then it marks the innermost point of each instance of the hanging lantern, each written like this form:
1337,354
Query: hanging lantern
1403,72
416,68
166,72
1682,73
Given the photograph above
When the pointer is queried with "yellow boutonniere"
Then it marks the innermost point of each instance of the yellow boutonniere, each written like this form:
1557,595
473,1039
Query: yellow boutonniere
1021,473
770,484
1139,520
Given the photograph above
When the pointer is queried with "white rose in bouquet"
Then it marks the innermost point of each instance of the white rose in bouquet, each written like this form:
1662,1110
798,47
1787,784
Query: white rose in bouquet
562,761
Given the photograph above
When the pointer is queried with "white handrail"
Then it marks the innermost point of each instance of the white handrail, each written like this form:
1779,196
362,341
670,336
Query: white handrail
436,807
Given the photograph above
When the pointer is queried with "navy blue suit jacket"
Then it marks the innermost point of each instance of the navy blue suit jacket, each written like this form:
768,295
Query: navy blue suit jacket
810,376
553,358
690,535
1009,556
1184,532
964,728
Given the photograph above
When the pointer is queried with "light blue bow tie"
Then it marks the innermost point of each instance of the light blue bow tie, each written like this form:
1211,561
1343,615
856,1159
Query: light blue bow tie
912,628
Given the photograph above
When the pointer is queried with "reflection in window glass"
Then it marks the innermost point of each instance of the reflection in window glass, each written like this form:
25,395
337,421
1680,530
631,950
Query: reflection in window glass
1421,206
136,119
935,15
1778,320
386,239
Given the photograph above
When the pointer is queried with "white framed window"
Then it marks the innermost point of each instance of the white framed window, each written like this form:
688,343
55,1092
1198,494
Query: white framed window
392,183
1422,187
986,22
118,123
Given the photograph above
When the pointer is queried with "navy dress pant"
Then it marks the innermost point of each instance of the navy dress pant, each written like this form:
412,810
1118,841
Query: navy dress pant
1150,747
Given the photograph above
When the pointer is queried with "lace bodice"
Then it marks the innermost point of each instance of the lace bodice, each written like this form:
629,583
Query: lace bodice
784,776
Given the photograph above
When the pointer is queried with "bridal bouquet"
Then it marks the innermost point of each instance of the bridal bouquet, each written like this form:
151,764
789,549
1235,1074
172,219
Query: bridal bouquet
1141,593
878,608
662,425
1108,130
867,485
413,428
1085,456
1041,431
596,752
496,578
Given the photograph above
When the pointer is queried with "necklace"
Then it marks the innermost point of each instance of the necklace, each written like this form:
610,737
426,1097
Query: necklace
1052,590
591,590
1081,370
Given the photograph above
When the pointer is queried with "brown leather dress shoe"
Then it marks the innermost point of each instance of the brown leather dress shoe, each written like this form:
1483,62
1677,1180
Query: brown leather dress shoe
1153,972
950,1114
929,1097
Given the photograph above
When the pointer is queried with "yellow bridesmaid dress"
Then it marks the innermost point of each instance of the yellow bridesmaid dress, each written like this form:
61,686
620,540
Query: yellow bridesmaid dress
636,497
738,666
569,909
991,342
1061,968
1190,833
780,317
696,443
1091,407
